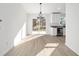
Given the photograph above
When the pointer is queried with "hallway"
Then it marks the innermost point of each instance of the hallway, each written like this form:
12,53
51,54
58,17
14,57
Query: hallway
41,45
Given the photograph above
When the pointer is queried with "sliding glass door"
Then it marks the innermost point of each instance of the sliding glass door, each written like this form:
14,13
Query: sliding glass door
39,26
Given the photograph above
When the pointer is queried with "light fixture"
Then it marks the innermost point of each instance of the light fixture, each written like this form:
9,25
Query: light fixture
40,16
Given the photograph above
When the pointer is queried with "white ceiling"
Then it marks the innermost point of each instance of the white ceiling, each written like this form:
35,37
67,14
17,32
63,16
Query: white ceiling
46,7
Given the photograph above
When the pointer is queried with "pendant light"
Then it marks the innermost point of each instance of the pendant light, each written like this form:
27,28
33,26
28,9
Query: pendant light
40,16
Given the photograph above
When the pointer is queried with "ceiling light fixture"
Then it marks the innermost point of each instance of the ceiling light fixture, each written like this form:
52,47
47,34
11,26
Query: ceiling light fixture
40,14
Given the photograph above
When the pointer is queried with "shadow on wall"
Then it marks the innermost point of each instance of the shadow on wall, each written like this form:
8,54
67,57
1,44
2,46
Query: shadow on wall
20,35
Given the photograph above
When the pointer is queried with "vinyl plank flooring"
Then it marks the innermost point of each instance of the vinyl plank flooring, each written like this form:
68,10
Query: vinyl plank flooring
44,45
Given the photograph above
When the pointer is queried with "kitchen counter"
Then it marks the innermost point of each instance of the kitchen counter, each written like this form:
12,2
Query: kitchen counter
58,26
59,29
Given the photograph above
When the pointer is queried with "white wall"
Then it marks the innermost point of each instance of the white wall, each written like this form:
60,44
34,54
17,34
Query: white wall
72,26
48,23
13,16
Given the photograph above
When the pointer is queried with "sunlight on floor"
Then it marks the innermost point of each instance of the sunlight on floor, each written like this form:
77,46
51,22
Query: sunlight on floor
28,38
48,50
51,45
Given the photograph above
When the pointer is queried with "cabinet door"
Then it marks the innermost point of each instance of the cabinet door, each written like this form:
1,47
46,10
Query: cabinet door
54,31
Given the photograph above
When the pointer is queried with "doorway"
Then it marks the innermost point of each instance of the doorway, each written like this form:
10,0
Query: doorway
39,26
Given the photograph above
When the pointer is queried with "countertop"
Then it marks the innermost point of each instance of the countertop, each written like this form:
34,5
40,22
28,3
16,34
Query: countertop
58,26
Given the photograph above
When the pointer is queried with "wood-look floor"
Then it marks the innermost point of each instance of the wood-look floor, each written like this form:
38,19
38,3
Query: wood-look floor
42,45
